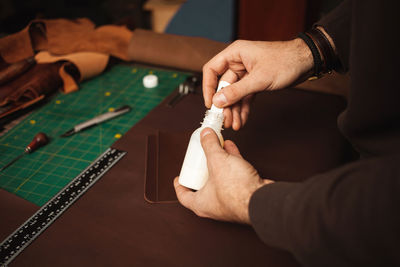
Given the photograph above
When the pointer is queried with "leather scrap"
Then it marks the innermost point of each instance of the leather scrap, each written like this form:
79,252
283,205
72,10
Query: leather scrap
69,51
38,82
69,84
9,72
77,41
63,36
170,50
30,85
16,47
90,64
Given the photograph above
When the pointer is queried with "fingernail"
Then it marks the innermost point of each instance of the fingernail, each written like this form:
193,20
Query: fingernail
205,132
220,99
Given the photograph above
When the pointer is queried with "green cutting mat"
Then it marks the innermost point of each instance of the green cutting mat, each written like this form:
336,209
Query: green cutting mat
37,177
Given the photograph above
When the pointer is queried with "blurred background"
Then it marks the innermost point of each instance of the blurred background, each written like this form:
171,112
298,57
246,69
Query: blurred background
220,20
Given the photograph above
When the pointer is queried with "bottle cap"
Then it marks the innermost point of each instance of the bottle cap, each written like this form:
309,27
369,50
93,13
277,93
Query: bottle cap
221,85
150,81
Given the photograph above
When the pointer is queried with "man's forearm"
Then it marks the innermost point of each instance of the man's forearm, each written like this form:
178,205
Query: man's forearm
337,27
339,218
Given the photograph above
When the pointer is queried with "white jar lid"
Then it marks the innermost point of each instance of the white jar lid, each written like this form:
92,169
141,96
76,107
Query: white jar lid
150,81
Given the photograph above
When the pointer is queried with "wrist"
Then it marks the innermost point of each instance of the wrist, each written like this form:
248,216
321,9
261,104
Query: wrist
323,51
245,217
304,56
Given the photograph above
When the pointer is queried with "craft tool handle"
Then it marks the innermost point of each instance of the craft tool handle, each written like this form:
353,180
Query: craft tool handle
39,140
102,117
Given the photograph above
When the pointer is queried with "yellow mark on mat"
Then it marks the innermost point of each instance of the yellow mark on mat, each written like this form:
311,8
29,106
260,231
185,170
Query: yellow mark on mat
107,94
118,135
151,72
32,122
58,102
111,109
134,70
174,75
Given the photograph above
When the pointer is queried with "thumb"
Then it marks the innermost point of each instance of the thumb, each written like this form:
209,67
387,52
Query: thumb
233,93
210,143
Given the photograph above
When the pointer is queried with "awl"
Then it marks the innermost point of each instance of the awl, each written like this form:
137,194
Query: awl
39,140
96,120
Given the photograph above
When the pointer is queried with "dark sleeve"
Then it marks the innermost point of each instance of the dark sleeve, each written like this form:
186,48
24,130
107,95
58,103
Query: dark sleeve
338,25
346,217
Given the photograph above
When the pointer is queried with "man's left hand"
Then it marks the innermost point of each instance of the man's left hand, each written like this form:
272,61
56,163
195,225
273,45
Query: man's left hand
230,185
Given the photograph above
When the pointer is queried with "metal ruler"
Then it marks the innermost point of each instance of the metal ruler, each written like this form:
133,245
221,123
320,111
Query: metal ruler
43,218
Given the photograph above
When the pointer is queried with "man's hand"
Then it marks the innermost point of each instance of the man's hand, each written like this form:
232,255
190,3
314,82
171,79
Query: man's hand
253,67
231,182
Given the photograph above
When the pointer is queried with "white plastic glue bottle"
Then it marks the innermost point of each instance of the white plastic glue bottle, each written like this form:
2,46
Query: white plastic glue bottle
194,172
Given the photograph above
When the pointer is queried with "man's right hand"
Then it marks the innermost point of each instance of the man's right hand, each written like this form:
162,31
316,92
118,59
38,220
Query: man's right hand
253,66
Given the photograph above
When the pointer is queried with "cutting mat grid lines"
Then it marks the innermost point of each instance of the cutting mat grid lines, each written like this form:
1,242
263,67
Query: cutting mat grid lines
37,177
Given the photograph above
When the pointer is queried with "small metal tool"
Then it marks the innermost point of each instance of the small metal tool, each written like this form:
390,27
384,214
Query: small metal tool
185,88
96,120
39,140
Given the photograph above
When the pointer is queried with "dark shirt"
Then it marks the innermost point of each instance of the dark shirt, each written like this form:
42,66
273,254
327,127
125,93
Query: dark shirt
349,216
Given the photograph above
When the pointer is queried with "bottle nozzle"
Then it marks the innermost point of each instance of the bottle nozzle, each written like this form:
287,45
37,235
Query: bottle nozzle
221,85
